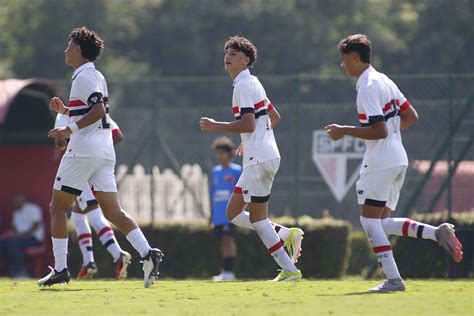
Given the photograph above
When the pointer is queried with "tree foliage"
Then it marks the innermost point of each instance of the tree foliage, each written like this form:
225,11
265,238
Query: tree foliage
185,37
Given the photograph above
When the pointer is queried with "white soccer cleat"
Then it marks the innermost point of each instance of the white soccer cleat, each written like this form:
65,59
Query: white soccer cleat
122,265
151,265
391,285
293,243
224,277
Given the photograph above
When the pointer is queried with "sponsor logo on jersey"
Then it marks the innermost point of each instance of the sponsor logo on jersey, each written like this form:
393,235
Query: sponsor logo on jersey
338,162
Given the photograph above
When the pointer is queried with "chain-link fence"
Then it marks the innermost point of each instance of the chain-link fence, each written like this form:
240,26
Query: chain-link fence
159,118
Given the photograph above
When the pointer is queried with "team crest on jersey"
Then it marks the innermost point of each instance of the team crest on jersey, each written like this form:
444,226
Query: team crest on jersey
338,162
229,178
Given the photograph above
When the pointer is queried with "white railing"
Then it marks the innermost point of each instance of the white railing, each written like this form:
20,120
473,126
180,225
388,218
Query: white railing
176,197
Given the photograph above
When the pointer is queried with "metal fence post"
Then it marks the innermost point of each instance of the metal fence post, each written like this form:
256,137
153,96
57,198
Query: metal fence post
450,149
296,151
153,158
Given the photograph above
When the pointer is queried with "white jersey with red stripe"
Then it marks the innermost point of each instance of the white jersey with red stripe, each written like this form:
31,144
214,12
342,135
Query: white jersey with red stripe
63,121
379,99
88,89
249,97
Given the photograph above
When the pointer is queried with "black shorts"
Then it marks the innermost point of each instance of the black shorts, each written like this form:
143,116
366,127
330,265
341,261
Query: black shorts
224,230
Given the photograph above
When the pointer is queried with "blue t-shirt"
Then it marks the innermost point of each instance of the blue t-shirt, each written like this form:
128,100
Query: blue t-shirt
223,181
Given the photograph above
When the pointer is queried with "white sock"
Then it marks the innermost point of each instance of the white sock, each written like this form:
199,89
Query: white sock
381,246
104,232
408,228
60,253
138,241
271,240
84,236
243,220
282,231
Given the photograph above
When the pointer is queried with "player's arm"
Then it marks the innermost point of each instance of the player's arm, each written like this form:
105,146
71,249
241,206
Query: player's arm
408,116
275,117
245,125
117,136
376,130
368,101
60,143
96,113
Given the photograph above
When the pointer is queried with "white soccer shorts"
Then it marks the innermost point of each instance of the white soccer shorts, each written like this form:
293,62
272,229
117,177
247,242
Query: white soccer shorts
256,181
86,198
75,174
381,188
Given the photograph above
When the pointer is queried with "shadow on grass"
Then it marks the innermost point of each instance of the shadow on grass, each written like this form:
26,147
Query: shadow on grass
365,293
60,290
354,294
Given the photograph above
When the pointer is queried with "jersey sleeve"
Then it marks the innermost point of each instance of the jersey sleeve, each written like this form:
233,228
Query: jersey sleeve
89,91
369,106
61,121
114,126
403,102
244,99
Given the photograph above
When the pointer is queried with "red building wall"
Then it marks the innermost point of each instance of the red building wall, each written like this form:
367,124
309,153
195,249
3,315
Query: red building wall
29,170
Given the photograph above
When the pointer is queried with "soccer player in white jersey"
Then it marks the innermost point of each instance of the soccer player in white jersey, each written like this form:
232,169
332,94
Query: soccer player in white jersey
86,210
383,113
255,118
89,158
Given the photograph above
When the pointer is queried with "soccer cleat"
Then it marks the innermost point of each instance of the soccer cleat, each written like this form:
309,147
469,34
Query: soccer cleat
448,240
150,266
224,276
55,277
293,243
122,265
391,285
87,271
288,276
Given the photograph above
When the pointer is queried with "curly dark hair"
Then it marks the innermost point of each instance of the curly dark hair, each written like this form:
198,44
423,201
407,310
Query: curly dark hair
223,143
243,45
90,42
358,43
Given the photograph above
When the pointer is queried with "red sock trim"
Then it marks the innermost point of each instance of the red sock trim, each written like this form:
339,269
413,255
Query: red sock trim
406,224
80,237
86,242
104,230
275,247
382,248
238,190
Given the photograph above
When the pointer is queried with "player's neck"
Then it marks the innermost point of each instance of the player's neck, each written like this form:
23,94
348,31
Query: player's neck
80,63
226,165
363,68
234,73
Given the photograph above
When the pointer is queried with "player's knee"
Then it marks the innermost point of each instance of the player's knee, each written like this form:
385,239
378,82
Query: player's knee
57,209
231,213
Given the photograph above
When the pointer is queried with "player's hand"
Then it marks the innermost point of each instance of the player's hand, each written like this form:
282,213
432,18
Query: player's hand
336,132
60,133
240,150
207,124
57,105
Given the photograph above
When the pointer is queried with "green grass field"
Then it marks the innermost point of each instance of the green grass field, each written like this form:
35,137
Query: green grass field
309,297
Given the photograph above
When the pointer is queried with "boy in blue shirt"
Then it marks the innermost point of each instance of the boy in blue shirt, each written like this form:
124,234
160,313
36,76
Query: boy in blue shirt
223,180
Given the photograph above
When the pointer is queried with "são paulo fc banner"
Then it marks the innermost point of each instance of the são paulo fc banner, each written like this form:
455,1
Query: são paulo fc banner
339,162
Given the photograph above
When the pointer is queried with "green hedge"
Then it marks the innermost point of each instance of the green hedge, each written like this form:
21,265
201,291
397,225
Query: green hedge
191,251
417,258
330,250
